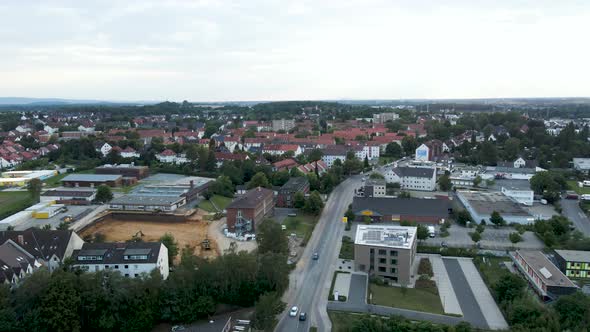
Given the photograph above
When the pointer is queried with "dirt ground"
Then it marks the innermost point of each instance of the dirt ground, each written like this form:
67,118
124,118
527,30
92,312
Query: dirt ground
223,242
191,233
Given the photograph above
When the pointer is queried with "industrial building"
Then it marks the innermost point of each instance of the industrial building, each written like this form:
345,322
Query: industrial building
126,170
246,211
544,277
92,180
481,205
574,263
131,259
387,209
69,196
386,252
147,203
22,178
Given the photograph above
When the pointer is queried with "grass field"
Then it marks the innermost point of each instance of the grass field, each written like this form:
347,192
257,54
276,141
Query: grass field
347,249
343,321
220,201
573,185
302,225
12,202
491,271
419,299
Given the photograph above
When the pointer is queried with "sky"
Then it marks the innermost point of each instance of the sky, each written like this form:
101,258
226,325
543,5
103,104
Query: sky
293,50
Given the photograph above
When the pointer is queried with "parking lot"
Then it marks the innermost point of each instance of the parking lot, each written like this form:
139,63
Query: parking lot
75,211
491,238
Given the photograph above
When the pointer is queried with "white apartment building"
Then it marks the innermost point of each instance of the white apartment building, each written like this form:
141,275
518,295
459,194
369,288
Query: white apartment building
412,178
131,259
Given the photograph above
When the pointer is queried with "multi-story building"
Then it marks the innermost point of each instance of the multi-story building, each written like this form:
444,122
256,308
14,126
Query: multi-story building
248,210
283,124
333,152
384,117
131,259
429,151
372,188
69,196
385,252
286,194
390,209
544,277
413,178
574,263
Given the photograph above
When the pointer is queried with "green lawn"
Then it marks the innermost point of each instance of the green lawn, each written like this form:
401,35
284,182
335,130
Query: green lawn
220,201
491,271
343,321
347,249
424,299
302,225
573,185
12,202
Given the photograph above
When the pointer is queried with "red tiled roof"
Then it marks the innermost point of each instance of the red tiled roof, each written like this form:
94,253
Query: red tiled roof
168,152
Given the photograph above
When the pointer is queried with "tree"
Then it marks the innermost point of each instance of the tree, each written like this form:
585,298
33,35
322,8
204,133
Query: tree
314,203
444,183
366,163
574,311
271,238
258,180
266,310
496,219
509,287
103,193
315,155
409,145
211,163
515,237
222,186
475,236
422,232
376,175
546,184
393,150
480,228
463,217
511,148
34,187
172,246
477,181
488,154
298,200
59,304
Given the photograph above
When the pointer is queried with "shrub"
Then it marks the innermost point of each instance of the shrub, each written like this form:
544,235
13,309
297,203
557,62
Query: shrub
425,267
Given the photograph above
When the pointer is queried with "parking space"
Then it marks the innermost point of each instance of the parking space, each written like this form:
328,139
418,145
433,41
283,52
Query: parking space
357,293
469,306
492,238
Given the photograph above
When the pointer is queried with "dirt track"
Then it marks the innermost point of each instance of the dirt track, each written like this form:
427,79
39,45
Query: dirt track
190,233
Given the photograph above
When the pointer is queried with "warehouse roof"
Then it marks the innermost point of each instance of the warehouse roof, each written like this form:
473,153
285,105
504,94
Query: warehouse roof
402,206
485,203
416,172
146,200
69,193
91,177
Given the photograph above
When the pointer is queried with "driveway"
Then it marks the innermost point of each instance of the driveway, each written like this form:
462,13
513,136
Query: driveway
358,289
571,210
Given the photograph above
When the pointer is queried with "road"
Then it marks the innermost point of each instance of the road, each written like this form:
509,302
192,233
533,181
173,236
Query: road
309,283
571,210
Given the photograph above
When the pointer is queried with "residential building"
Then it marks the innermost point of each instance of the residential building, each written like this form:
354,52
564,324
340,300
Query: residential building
581,164
246,211
92,180
412,178
481,205
544,277
286,195
103,148
333,152
49,247
283,124
126,170
280,149
171,157
129,152
319,166
430,151
521,196
574,263
284,165
131,259
384,117
390,209
385,252
520,162
15,263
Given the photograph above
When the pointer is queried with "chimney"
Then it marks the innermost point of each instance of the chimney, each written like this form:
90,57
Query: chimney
20,239
192,183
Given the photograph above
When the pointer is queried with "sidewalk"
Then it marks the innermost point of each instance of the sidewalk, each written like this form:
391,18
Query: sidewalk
443,283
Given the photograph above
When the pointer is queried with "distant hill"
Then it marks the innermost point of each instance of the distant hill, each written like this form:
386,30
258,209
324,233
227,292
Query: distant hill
60,101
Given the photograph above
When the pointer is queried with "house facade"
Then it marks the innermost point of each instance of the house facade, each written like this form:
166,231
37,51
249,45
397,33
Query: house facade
412,178
246,211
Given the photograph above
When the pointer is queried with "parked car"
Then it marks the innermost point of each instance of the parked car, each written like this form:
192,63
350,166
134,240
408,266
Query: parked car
316,256
571,195
585,197
302,316
293,312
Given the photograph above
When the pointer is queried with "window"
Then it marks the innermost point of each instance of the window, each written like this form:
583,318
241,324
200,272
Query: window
393,270
394,262
127,274
126,266
381,268
116,266
106,267
135,257
382,252
362,267
382,261
136,275
393,253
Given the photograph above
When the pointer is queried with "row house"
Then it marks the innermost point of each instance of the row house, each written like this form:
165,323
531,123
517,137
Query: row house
170,157
280,149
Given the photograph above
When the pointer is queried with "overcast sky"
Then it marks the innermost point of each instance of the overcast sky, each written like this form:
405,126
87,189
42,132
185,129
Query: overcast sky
286,50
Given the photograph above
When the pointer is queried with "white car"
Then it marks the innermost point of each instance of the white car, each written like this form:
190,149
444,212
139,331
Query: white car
293,312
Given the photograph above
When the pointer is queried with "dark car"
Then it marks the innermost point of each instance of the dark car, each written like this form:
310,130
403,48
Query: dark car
302,316
571,195
316,256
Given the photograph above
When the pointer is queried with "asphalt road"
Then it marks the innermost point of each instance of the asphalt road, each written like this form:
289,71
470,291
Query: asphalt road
571,210
309,283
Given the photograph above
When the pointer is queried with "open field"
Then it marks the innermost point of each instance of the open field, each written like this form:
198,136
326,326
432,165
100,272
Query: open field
12,202
220,201
419,299
492,270
343,321
302,225
191,232
573,185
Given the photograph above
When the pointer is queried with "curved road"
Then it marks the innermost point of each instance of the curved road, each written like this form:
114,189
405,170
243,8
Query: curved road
309,283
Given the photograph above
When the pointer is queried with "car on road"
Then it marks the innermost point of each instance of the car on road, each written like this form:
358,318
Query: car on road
316,256
293,312
571,195
443,244
176,328
302,316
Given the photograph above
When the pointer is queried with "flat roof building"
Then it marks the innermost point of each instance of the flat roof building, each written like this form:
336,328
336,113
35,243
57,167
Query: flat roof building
574,263
481,205
388,209
386,252
147,203
545,278
126,170
92,180
69,196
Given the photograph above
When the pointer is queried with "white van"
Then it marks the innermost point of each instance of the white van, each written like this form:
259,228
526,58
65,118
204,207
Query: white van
586,183
585,197
431,231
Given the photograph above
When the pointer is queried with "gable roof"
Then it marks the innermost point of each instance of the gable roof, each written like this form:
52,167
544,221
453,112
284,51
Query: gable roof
251,198
115,252
39,243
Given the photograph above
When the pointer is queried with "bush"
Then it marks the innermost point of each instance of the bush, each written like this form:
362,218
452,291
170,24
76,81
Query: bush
341,298
425,267
459,252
